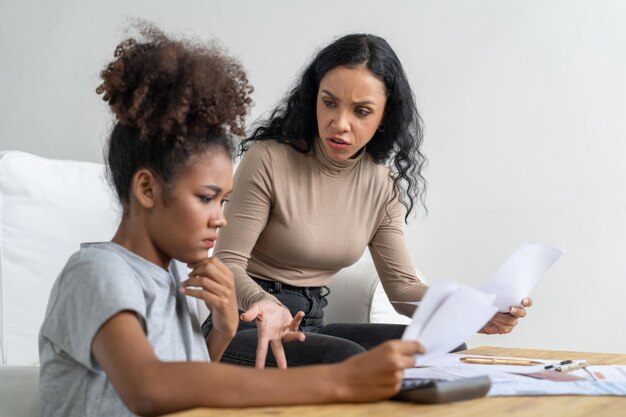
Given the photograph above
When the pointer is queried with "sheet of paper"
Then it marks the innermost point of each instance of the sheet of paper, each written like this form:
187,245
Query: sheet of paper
453,360
449,314
454,372
460,316
432,300
520,273
612,373
534,387
555,376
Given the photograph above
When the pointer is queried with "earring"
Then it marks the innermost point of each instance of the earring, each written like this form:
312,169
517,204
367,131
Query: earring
381,128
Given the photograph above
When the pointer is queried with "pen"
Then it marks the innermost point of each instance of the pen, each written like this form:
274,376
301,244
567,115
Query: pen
571,367
590,374
496,361
555,365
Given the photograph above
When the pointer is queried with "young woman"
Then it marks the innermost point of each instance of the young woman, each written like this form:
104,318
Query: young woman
121,334
327,176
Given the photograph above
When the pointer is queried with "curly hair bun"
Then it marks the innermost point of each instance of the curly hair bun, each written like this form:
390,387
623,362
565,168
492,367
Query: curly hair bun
172,89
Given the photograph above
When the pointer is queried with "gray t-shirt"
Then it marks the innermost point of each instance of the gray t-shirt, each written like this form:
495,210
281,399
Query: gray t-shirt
99,281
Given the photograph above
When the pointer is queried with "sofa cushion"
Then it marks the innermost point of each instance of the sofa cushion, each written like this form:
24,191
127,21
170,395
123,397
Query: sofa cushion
382,310
351,291
47,208
356,296
19,391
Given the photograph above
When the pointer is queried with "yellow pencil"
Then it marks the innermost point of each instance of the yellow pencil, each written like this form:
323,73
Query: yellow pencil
496,361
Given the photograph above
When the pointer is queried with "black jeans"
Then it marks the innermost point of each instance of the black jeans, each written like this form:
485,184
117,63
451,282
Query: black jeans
324,343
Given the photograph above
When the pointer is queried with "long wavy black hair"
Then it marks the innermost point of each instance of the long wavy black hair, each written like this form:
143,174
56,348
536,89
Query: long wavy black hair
294,122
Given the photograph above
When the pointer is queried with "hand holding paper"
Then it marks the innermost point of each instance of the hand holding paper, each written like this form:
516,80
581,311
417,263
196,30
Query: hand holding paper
451,313
503,323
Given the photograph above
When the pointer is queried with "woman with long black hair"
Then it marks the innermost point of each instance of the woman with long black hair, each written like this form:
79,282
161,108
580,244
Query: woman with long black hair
324,177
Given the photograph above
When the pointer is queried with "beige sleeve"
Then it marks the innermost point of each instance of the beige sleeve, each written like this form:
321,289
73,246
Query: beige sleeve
393,261
246,215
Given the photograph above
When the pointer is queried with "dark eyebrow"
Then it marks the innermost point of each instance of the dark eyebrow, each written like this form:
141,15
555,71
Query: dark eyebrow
330,94
357,103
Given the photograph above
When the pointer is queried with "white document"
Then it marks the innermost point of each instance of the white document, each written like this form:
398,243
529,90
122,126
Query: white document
456,372
433,298
520,273
611,373
533,387
453,360
448,315
517,277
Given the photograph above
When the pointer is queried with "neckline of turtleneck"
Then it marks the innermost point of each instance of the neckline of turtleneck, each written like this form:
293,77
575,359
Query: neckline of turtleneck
333,167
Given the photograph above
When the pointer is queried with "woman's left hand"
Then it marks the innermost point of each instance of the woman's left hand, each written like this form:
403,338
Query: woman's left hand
503,323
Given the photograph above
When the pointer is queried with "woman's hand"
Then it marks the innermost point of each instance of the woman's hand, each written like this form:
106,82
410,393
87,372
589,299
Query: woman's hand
503,323
378,373
212,282
275,326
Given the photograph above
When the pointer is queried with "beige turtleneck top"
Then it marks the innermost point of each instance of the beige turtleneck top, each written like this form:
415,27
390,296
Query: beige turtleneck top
299,218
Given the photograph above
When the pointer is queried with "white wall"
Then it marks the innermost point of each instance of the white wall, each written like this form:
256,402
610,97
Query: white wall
524,103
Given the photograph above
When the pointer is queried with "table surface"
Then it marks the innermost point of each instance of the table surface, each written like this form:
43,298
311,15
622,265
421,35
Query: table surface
553,406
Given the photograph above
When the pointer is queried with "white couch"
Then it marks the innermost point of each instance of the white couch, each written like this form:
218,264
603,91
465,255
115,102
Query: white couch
47,207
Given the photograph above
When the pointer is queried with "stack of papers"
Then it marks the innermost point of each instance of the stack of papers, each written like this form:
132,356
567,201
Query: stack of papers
449,366
512,380
533,387
450,313
613,373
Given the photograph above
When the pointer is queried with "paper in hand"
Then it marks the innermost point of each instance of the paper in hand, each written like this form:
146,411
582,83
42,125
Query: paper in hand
520,273
448,315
